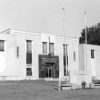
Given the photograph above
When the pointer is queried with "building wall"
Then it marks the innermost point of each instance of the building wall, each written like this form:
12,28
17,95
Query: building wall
94,62
82,68
14,68
91,65
72,47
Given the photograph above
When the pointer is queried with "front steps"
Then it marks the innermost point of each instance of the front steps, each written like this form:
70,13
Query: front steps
66,87
96,82
96,85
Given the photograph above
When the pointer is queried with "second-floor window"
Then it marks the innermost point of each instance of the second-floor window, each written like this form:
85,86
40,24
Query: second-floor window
51,48
44,47
29,52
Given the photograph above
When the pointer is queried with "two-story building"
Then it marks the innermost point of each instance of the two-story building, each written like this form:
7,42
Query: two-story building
25,55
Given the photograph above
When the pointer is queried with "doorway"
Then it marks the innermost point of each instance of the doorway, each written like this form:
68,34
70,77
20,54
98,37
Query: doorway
49,70
48,66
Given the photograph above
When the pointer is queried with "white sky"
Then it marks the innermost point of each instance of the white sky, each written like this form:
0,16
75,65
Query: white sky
47,15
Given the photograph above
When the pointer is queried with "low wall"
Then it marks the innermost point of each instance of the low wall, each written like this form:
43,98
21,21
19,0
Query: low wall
78,78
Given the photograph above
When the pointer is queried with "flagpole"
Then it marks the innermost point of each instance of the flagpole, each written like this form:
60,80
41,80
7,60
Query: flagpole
85,28
85,19
64,23
64,45
63,9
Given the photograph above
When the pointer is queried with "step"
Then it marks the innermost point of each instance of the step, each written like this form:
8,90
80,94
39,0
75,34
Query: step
66,87
96,84
93,85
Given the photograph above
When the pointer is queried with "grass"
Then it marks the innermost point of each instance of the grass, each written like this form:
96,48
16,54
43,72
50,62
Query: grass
43,90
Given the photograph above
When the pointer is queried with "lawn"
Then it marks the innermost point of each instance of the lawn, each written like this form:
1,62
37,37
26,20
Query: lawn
42,90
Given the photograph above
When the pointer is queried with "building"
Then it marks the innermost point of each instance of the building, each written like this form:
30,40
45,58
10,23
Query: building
89,61
25,55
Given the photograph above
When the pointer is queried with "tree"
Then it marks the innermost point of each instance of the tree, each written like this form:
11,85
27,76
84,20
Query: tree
93,35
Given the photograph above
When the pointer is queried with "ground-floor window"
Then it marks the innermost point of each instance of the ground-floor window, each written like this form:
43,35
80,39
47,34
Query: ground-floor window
29,71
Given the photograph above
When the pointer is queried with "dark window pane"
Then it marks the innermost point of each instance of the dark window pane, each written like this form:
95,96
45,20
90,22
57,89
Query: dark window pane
17,51
64,59
29,71
1,45
92,53
29,58
29,52
74,54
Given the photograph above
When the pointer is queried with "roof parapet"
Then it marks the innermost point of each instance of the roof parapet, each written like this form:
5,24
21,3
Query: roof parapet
7,31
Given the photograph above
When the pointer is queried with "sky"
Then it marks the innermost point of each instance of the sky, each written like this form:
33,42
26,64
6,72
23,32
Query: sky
47,16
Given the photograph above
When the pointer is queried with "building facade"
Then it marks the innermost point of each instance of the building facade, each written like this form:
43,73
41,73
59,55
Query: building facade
25,55
89,61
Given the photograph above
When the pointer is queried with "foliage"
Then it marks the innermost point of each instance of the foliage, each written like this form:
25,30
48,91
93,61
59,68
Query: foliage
93,35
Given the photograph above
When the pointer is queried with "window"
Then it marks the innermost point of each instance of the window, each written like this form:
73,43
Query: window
29,46
92,53
17,51
1,45
67,54
29,52
74,56
64,59
44,47
51,48
29,71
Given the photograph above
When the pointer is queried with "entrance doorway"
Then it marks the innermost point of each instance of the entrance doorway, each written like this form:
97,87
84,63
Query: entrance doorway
49,70
48,66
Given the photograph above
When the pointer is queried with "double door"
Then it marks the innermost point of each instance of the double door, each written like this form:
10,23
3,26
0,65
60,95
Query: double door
49,71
